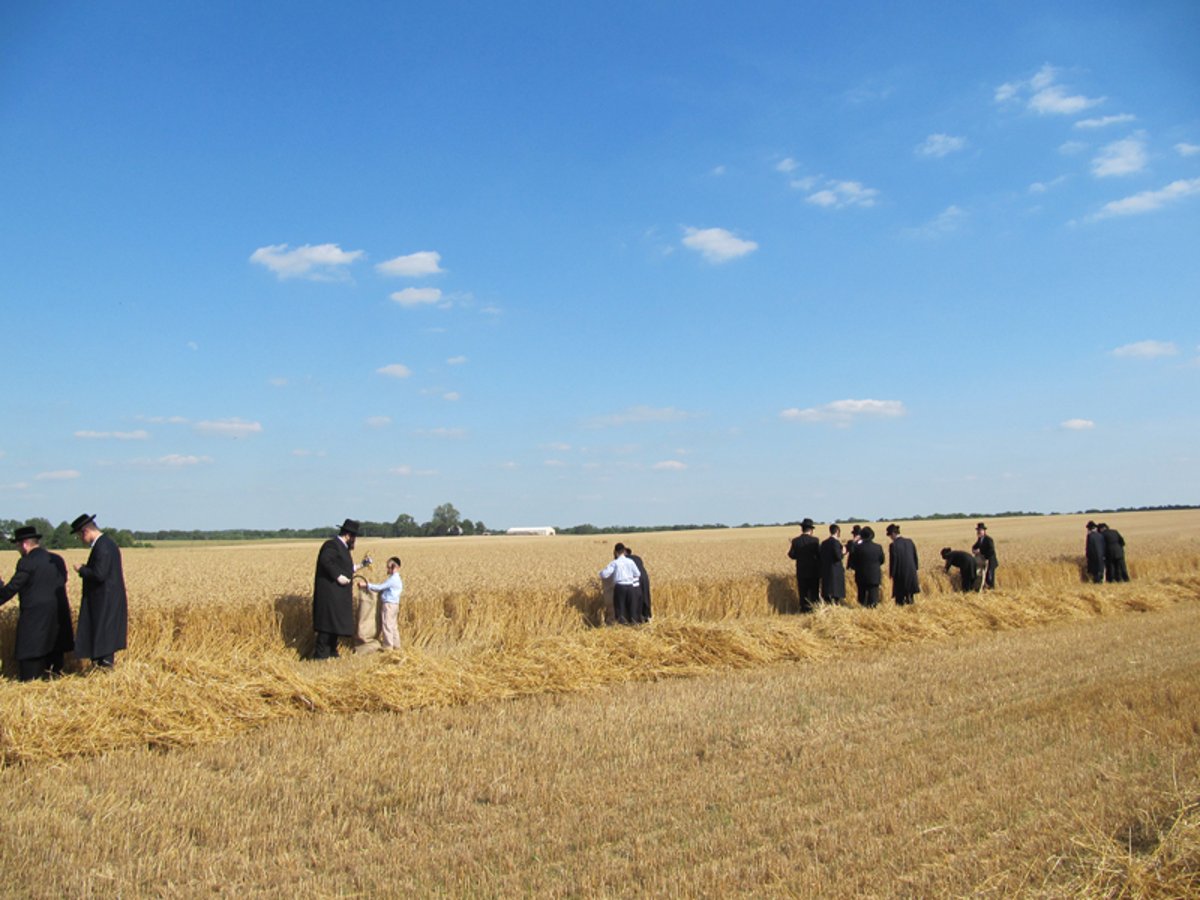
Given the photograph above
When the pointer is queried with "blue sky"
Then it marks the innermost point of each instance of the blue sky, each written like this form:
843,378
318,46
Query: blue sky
273,264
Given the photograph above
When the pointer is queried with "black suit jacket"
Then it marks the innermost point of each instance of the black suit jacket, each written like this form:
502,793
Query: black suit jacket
333,603
103,610
867,563
40,583
806,551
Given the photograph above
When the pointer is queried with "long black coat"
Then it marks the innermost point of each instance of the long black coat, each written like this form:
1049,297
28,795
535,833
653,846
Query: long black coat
103,609
986,547
1094,551
902,568
333,603
40,580
644,580
867,562
833,573
965,563
806,551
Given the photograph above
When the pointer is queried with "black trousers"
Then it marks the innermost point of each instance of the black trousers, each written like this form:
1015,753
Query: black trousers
868,595
1115,570
809,590
627,603
326,646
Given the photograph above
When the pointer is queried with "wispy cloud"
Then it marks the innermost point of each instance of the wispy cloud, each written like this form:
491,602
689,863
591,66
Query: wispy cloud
1146,350
1149,201
1184,149
670,465
138,435
638,415
1044,95
1105,121
1124,157
1077,425
1040,187
408,471
172,461
939,145
452,396
448,433
234,428
787,166
948,221
845,412
378,421
840,194
57,475
456,360
411,297
322,262
395,370
716,244
414,265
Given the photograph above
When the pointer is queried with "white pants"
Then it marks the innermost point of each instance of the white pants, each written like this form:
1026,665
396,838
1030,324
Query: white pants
389,633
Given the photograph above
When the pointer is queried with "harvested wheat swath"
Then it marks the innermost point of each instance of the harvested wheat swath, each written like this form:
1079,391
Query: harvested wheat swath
171,698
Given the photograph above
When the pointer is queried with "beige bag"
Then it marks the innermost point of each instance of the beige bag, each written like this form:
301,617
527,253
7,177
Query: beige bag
366,636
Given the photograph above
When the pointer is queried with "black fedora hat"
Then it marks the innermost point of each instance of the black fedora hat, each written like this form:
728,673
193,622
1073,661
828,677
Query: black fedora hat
82,522
807,525
24,533
350,526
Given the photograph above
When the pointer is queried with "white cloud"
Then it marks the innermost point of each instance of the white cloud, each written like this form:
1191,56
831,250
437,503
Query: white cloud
1040,187
1146,350
395,370
1149,201
840,194
234,428
304,454
449,433
716,244
163,420
15,486
180,461
277,382
410,297
1187,149
1077,425
57,475
323,262
670,465
138,435
844,412
452,396
378,421
787,165
1105,121
414,265
456,360
939,145
1124,157
554,464
637,415
1044,95
717,171
948,221
1071,148
407,471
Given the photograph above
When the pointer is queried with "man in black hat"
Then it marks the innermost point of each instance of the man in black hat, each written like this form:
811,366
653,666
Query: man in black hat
1093,552
103,610
806,551
985,548
333,599
902,567
1114,554
833,572
867,563
965,563
44,623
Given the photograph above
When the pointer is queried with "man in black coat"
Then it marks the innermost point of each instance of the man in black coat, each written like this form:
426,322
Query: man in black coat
986,548
965,563
40,582
1114,554
1094,553
902,567
867,562
333,598
806,551
104,608
644,583
833,573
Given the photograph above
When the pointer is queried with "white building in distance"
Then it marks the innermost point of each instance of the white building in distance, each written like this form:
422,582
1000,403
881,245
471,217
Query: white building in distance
544,531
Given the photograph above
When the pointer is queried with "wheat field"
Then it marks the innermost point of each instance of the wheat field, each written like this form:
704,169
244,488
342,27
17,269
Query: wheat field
1039,740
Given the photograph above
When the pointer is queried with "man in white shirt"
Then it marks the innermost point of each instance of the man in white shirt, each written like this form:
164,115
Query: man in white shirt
627,592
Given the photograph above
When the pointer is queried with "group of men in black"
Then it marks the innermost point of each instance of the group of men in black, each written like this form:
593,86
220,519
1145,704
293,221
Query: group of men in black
821,565
1105,554
44,633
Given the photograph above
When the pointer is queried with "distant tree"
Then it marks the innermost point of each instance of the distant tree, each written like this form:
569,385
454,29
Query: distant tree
468,527
62,537
405,526
445,519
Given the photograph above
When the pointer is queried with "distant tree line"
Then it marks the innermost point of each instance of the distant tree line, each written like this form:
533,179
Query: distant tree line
445,520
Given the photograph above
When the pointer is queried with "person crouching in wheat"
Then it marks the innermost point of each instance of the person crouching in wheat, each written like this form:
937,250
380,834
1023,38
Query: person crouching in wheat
389,592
